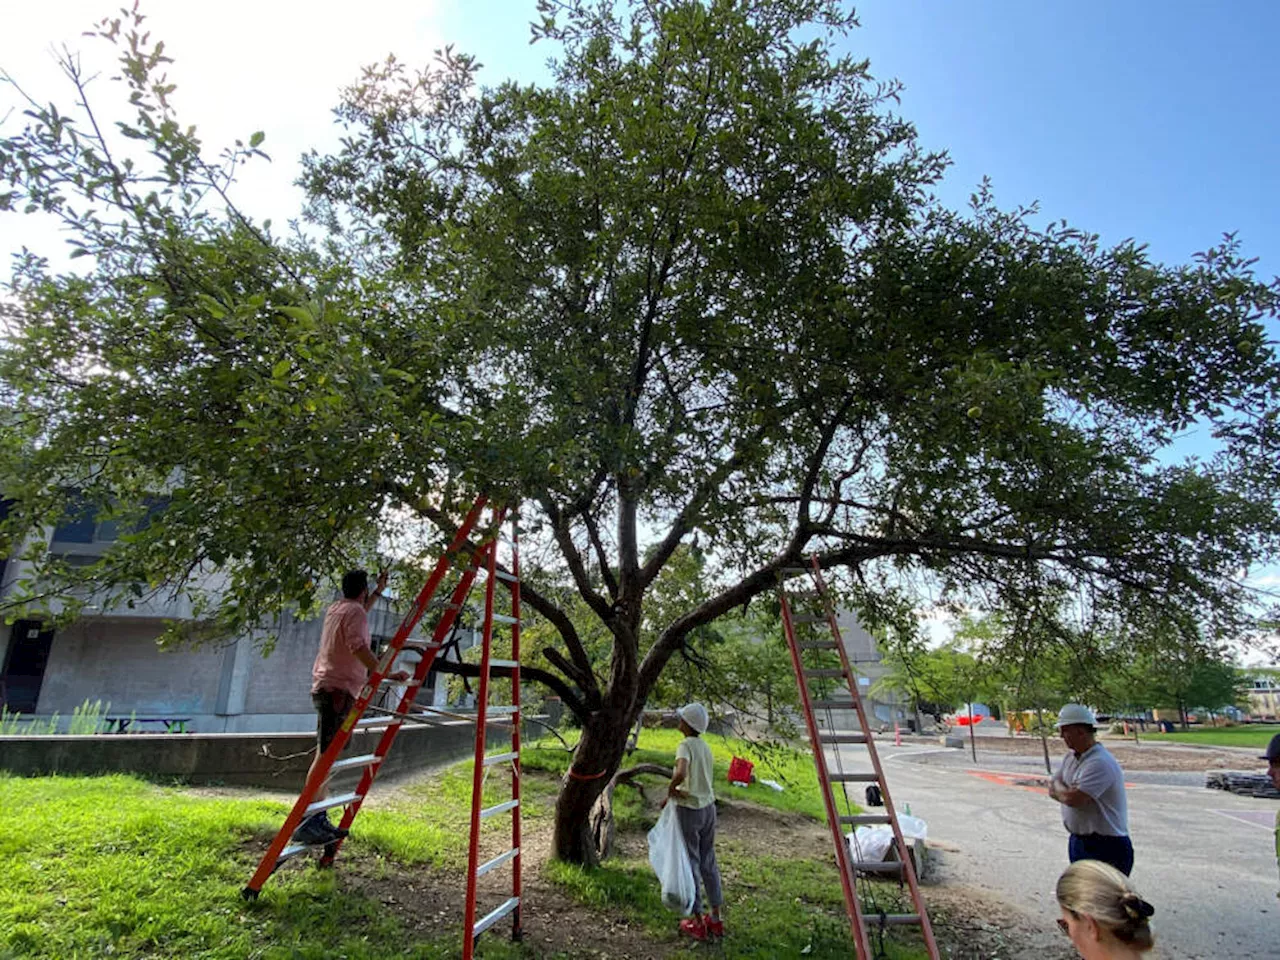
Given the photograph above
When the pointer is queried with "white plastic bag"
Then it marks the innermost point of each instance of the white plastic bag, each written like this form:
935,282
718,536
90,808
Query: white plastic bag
872,844
670,861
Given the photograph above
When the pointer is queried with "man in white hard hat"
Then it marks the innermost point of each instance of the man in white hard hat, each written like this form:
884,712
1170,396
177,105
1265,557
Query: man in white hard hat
1090,786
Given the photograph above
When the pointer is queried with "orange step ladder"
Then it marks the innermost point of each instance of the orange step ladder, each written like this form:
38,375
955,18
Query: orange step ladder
837,694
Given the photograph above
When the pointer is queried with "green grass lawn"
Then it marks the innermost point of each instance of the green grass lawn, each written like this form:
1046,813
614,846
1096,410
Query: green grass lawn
1249,735
117,866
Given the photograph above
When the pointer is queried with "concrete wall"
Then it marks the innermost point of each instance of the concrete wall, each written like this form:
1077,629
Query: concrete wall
118,661
247,760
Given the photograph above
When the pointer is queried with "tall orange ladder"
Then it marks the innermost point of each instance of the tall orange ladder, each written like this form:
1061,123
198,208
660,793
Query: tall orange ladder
829,689
508,760
482,558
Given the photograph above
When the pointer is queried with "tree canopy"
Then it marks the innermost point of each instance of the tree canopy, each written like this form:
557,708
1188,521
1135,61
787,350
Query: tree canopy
698,285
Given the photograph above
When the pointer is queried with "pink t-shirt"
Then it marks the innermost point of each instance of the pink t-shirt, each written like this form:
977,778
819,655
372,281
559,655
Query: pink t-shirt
346,630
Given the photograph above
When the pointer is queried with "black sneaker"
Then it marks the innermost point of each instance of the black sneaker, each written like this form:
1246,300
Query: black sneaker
316,831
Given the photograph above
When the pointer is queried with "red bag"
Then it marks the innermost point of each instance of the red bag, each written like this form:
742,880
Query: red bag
740,770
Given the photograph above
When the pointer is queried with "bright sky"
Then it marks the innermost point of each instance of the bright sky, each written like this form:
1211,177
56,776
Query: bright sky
1157,119
1154,119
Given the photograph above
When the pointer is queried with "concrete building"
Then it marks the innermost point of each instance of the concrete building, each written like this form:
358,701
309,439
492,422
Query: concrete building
1264,698
883,707
111,656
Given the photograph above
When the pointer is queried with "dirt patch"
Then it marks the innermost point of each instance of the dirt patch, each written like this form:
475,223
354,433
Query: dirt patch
973,924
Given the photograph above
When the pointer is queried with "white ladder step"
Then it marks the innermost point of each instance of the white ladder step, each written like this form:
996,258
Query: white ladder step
867,819
876,866
824,672
892,919
503,663
497,861
843,738
500,808
503,618
293,849
490,919
365,722
508,577
853,778
364,760
499,758
330,802
500,711
833,705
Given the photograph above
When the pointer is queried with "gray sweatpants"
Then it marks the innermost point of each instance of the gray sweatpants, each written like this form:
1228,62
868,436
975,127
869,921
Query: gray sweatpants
698,827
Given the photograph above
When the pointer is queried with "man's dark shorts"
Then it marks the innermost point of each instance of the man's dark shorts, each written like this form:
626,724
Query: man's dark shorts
332,707
1117,851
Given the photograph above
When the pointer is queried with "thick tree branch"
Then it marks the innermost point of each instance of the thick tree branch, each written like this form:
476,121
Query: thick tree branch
548,680
543,605
573,558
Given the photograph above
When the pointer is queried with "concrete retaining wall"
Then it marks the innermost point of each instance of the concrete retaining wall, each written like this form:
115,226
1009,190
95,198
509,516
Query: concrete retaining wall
276,760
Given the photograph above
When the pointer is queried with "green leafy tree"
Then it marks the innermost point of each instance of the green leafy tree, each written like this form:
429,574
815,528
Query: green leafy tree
698,285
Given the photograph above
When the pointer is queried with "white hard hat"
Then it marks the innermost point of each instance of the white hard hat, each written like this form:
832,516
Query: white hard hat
1075,713
695,715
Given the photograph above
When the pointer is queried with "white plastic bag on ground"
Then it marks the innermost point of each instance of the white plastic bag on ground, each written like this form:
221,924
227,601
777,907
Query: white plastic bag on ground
670,861
872,844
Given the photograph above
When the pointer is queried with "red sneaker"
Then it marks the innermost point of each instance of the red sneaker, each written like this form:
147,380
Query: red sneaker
694,927
715,928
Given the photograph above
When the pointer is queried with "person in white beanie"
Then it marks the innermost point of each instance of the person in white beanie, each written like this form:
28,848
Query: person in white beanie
696,811
1089,785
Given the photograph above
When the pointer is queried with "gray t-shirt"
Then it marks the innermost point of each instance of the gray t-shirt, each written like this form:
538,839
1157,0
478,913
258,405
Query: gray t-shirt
1098,774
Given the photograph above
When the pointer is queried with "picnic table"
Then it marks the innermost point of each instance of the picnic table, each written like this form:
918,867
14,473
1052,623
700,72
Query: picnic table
171,724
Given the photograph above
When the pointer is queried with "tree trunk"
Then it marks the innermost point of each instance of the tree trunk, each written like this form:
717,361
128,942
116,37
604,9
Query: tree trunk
599,753
1182,712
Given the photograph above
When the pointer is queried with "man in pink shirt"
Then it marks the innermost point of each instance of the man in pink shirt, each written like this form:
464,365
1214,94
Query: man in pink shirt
342,666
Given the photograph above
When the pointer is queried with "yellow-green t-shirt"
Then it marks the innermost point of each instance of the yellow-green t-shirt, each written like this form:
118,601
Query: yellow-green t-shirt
697,784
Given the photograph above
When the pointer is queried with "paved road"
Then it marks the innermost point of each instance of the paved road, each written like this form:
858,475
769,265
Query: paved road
1205,858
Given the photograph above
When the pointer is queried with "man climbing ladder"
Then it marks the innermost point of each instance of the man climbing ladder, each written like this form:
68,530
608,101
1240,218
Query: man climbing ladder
342,667
314,800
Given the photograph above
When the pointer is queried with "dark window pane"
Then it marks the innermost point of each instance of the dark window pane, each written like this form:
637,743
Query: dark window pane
79,524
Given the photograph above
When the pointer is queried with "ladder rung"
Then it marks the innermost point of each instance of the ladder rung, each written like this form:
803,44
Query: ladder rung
809,618
499,758
833,705
364,722
293,849
389,716
876,866
842,738
490,919
503,663
496,862
818,645
853,778
824,672
508,577
500,808
330,802
500,711
420,647
364,760
890,919
867,819
503,618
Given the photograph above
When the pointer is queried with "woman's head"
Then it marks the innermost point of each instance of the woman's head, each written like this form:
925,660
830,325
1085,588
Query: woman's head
1100,910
